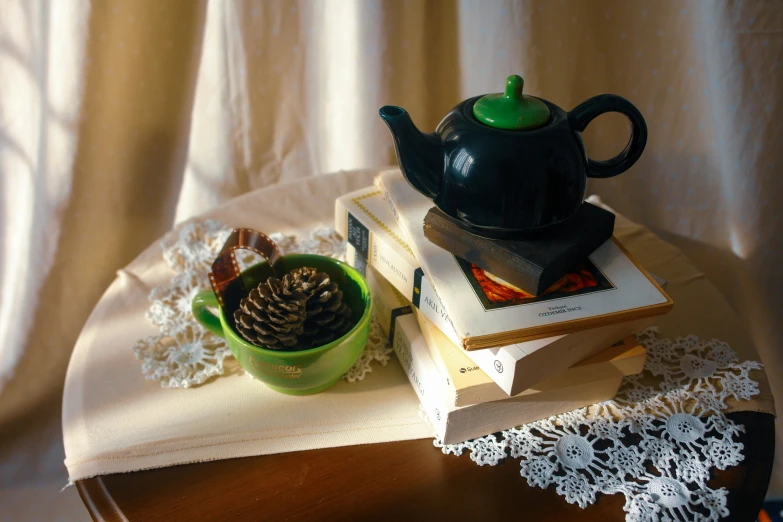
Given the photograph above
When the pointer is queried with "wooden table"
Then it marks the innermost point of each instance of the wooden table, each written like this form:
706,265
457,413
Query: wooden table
410,480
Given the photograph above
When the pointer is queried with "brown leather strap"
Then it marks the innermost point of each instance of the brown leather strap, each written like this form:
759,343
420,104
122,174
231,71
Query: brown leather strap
225,269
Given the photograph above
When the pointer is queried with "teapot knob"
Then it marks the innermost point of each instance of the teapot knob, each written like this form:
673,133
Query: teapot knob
514,85
510,109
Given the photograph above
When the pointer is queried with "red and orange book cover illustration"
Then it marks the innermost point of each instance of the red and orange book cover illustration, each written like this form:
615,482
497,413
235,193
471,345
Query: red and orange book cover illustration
494,292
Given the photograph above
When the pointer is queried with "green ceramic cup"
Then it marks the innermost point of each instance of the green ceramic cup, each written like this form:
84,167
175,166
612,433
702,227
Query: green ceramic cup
304,372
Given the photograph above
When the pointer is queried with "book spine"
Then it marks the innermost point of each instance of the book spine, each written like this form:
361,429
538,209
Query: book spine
371,248
471,385
428,301
425,297
435,353
388,305
420,370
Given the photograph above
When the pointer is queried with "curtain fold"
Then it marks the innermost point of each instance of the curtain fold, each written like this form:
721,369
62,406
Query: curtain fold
125,72
39,109
120,118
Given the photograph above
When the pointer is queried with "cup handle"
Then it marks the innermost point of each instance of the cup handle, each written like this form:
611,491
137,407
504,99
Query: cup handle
588,110
200,307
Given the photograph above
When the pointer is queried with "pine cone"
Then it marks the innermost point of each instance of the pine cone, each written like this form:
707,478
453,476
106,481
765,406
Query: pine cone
303,310
273,313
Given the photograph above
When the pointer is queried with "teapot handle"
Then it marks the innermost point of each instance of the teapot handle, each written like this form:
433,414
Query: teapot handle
586,111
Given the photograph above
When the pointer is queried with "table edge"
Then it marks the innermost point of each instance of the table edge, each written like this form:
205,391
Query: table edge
99,503
102,508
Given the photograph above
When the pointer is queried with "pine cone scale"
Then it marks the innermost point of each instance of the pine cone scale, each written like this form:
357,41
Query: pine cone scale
314,310
333,304
301,310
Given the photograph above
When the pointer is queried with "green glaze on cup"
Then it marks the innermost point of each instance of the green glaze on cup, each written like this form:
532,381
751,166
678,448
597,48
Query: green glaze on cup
307,371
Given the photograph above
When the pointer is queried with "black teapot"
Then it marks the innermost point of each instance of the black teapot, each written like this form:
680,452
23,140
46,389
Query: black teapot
507,164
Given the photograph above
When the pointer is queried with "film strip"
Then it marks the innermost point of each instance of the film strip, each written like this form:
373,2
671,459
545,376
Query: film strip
225,270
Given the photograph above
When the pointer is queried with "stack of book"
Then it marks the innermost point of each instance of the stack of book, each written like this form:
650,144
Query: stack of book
481,354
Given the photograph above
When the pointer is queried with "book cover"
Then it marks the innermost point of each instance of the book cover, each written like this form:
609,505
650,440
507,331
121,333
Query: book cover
485,311
457,424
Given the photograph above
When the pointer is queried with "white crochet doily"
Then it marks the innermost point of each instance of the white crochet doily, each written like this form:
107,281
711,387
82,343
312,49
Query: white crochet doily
655,443
184,354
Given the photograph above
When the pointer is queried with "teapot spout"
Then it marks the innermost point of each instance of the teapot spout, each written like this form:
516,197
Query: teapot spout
420,155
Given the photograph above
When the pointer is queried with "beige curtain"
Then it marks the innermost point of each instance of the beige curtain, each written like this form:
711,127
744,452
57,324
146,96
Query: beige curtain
120,118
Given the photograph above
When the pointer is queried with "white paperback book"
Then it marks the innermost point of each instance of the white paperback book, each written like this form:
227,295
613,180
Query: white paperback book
457,424
472,385
375,238
464,383
487,312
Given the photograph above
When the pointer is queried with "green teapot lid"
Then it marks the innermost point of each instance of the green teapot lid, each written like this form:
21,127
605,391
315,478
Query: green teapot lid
511,110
